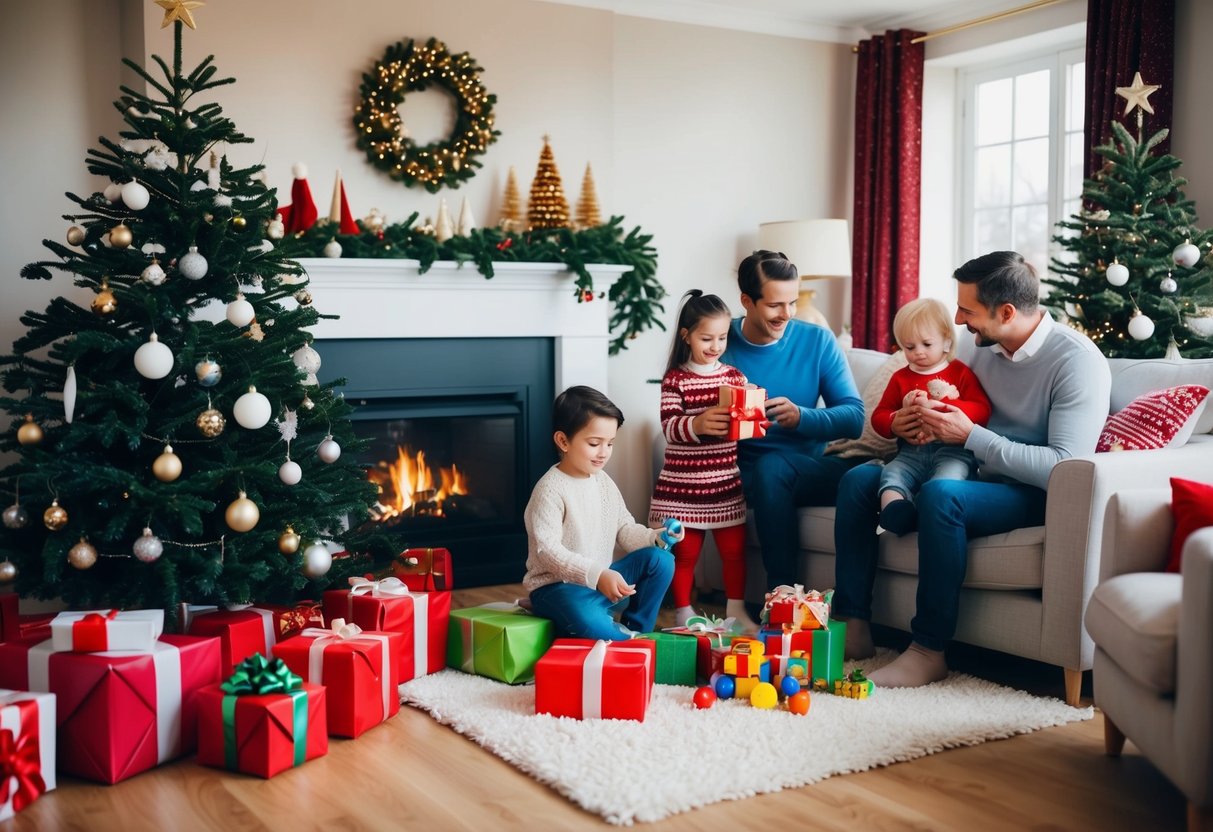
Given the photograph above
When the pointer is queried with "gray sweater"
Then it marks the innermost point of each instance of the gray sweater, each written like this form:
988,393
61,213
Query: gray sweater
1048,407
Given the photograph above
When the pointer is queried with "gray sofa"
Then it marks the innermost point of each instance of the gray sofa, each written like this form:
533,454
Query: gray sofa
1025,591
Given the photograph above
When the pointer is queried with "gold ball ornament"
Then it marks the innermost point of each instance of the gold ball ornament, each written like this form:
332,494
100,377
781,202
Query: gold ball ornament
75,235
8,572
211,423
242,514
167,466
83,555
55,517
288,543
105,303
30,432
239,222
121,236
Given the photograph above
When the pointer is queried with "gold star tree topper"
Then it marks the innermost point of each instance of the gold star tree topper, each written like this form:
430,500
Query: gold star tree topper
179,10
1137,94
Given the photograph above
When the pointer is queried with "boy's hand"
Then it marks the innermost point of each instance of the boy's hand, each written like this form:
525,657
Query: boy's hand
712,422
613,586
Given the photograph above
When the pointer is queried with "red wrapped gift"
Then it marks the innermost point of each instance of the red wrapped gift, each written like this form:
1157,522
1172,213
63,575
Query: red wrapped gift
586,679
27,749
241,632
711,633
293,620
262,720
9,628
424,570
101,630
359,668
118,713
795,608
747,415
784,643
388,606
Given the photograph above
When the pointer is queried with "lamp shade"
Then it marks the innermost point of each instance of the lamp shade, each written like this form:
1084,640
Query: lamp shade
818,248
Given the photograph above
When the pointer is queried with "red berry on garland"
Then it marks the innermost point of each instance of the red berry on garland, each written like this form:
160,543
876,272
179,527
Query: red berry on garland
587,295
506,243
379,234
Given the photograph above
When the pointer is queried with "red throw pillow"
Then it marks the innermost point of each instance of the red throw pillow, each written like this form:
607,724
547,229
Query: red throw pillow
1192,508
1152,420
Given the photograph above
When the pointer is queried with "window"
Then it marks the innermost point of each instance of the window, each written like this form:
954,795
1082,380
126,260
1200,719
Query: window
1023,141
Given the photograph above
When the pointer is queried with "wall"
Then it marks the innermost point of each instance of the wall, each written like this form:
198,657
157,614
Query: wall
695,134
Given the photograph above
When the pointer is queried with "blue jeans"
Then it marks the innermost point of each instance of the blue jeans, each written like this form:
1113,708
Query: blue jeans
915,464
949,513
778,483
581,612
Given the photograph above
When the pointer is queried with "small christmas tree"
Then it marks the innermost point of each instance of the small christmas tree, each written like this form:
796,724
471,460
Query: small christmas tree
587,202
547,208
1135,274
511,206
175,454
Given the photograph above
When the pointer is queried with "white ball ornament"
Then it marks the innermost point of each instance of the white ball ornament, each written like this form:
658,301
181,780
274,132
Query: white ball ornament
252,410
1168,285
153,360
153,275
317,560
1140,326
307,359
1185,254
192,264
240,312
112,192
148,547
329,450
1117,274
290,473
332,249
135,196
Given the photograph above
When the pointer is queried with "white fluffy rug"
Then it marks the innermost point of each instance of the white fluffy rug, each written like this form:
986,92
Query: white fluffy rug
680,758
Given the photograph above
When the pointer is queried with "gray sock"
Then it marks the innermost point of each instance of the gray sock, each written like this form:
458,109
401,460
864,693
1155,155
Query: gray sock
916,667
858,644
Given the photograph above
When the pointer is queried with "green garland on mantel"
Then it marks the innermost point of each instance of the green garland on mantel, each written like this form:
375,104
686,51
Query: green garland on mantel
635,297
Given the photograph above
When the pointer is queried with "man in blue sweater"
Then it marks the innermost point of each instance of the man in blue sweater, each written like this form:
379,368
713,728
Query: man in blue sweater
798,364
1049,387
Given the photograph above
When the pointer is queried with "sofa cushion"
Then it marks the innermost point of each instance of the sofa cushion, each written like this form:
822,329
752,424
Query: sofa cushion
1132,377
1192,509
1134,618
1160,419
870,444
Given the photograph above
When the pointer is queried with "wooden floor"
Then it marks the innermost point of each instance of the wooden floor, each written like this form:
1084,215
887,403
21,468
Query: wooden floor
413,773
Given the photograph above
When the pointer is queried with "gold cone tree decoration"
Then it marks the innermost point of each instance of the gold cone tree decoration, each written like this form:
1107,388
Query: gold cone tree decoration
547,208
587,203
511,205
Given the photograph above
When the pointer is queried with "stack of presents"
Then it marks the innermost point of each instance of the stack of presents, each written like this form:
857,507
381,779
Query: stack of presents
105,695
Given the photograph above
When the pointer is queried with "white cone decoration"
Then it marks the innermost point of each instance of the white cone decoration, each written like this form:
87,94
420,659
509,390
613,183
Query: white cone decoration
193,265
442,225
135,196
1140,326
332,249
1185,254
290,473
317,560
467,223
252,410
1117,274
154,360
69,394
307,359
329,450
240,312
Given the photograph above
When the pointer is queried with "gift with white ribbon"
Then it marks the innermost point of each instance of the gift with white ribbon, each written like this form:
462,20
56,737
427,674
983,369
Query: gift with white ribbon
388,605
97,631
27,749
586,679
242,629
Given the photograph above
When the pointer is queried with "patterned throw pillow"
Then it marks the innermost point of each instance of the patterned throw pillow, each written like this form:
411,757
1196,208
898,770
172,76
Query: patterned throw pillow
1155,420
871,444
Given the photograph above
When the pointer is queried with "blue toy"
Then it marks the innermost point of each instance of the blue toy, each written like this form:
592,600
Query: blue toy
726,687
672,526
789,686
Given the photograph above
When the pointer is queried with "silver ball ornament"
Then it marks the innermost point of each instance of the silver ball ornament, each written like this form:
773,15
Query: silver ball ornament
329,450
317,560
8,572
16,517
208,372
192,265
307,359
148,547
290,473
1168,285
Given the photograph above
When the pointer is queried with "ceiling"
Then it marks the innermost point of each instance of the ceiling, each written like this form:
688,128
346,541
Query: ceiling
829,20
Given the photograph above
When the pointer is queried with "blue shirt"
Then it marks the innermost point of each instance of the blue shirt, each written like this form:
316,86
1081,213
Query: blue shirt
805,365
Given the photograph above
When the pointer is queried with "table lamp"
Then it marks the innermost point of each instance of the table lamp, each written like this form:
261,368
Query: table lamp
818,248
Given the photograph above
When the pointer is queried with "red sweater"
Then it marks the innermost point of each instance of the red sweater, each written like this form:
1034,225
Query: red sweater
972,399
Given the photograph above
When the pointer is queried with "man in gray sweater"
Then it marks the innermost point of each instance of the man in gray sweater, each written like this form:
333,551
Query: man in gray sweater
1049,387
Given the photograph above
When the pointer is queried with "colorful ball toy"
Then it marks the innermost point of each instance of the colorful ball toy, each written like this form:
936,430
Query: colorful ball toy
725,687
798,703
704,698
789,686
764,696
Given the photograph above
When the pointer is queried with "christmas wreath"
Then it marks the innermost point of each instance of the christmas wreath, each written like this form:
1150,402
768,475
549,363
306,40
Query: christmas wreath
407,67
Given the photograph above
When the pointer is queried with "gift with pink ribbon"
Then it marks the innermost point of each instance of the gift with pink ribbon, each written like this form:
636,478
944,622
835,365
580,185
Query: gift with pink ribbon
747,413
118,712
27,749
101,630
360,668
587,679
389,606
711,633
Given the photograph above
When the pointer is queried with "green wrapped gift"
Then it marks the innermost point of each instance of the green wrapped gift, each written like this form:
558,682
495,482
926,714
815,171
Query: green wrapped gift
500,641
675,658
828,646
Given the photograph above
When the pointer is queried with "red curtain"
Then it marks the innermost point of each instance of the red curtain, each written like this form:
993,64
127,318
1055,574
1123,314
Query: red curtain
888,179
1124,37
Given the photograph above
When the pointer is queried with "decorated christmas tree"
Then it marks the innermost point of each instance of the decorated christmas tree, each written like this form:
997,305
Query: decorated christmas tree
174,443
587,202
1135,273
511,204
547,207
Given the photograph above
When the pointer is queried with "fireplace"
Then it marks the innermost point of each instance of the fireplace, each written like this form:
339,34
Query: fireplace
452,378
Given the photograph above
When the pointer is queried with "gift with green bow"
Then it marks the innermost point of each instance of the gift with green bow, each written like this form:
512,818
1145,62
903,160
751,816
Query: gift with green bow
263,720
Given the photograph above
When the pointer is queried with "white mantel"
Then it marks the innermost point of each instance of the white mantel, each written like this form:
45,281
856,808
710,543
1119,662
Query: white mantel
391,299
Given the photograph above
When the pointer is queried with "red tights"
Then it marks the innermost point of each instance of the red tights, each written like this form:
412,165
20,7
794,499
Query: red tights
730,542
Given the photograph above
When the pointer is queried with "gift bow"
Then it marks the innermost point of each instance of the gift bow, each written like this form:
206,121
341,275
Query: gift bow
378,589
338,628
293,621
747,414
90,634
816,603
257,675
712,624
20,758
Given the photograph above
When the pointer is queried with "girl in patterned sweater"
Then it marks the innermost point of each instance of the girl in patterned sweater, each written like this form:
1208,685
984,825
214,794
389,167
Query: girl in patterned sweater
699,483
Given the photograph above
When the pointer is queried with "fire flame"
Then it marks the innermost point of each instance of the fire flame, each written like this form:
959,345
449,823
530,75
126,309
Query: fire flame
409,485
